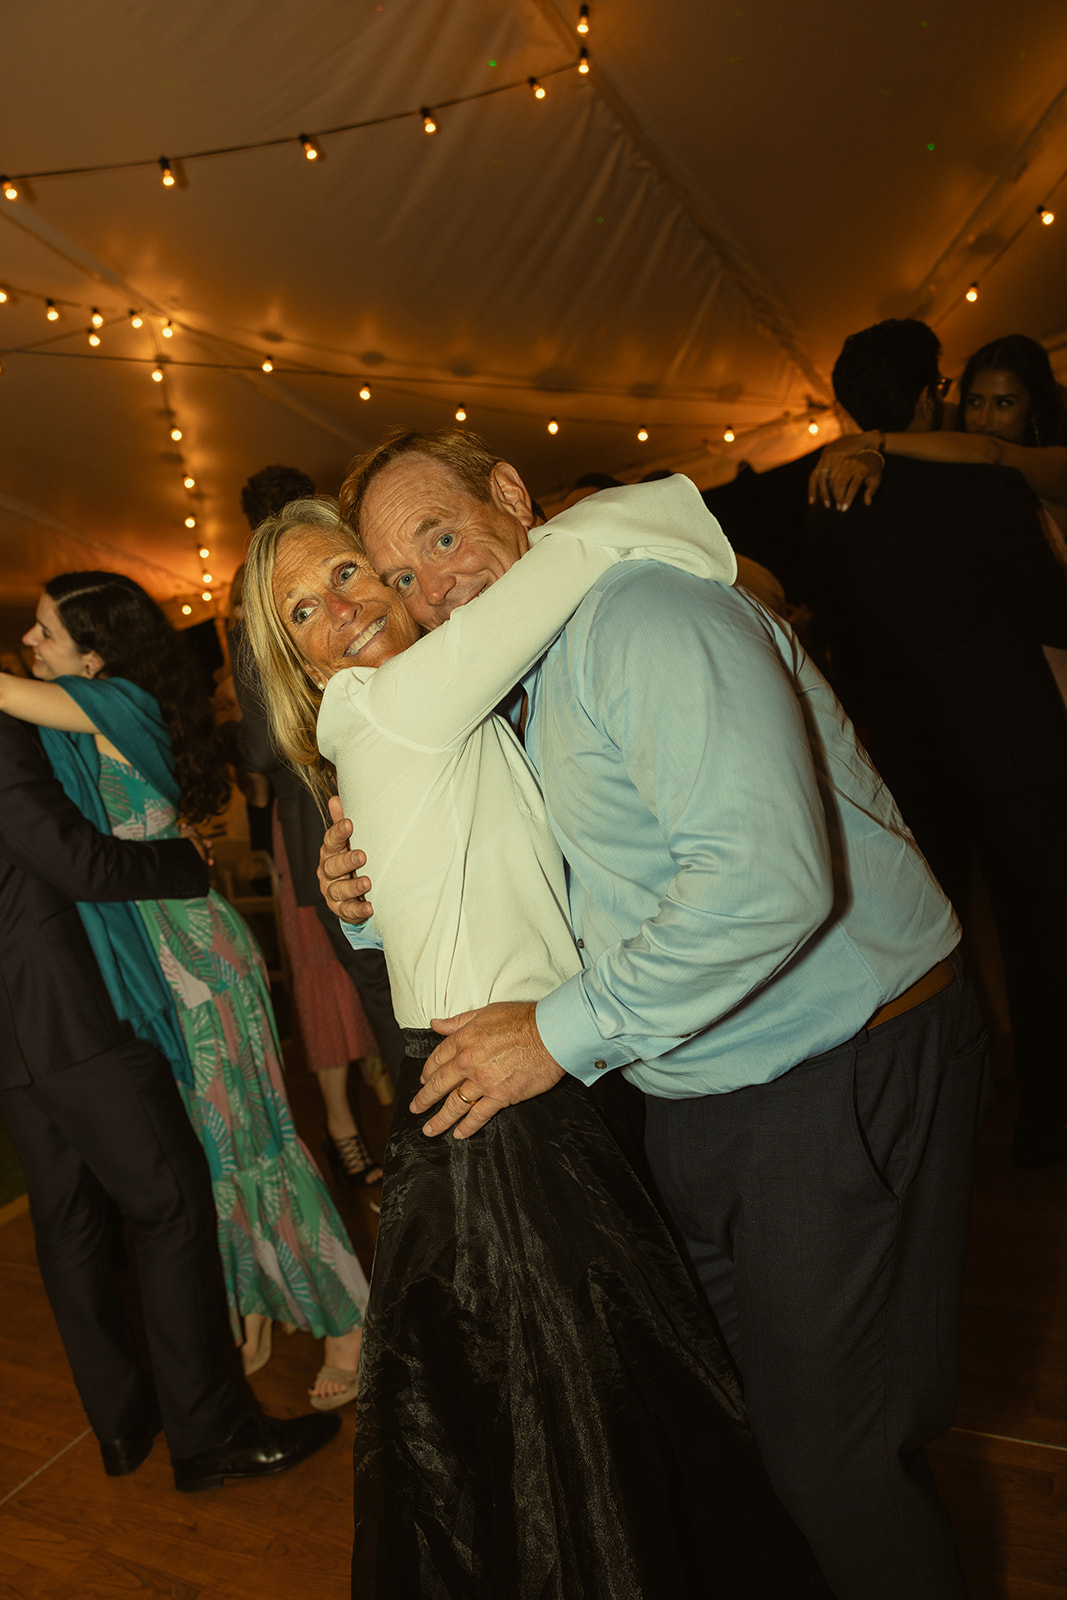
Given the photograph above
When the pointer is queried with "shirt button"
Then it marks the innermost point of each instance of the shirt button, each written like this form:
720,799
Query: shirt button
600,1065
581,944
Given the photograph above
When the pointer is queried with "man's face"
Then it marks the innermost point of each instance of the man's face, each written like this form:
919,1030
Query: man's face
433,542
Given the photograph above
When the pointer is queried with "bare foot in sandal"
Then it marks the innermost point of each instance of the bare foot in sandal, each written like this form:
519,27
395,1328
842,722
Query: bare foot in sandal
337,1380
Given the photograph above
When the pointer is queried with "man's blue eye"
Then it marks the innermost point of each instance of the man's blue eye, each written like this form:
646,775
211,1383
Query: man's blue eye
405,580
446,541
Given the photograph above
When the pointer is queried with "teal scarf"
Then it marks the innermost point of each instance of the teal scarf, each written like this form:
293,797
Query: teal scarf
130,718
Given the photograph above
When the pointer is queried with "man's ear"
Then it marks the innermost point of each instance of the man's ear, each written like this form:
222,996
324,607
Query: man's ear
511,494
926,411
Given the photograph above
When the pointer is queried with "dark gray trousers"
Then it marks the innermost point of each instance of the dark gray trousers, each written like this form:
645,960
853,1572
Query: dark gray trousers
103,1142
826,1215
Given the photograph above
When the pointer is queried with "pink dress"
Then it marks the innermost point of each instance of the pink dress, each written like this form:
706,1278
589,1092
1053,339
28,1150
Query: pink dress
328,1016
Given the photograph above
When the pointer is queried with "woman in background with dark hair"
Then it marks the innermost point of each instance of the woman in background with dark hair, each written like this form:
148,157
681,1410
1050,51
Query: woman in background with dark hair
130,736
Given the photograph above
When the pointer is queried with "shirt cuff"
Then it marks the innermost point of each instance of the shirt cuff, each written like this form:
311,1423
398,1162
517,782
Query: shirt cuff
361,935
571,1037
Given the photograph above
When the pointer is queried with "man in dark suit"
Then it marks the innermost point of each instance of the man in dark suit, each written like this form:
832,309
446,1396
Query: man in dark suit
100,1129
936,600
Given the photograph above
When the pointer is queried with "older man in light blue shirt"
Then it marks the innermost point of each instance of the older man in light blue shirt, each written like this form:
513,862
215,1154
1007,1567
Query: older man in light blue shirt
766,956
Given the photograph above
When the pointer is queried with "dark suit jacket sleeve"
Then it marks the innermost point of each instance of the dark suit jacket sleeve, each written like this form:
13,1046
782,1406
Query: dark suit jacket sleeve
44,834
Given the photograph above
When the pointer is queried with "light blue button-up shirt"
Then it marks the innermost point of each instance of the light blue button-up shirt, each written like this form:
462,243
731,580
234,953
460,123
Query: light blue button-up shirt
744,891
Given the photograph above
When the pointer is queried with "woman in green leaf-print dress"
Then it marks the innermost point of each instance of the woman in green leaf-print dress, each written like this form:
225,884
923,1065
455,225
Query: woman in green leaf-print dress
132,743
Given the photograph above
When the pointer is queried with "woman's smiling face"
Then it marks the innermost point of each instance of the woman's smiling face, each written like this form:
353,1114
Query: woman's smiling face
334,607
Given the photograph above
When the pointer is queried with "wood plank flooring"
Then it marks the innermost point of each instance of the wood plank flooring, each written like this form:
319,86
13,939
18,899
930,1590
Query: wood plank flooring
69,1533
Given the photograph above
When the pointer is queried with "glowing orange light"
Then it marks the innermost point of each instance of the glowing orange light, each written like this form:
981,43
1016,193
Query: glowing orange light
553,426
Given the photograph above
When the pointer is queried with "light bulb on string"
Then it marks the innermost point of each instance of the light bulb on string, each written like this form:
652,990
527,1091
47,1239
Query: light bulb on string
539,90
167,329
310,148
10,188
583,20
729,436
461,414
1048,217
813,426
642,434
206,595
972,293
157,374
190,522
583,60
266,366
189,481
168,173
94,337
96,319
205,577
428,124
136,319
364,393
553,426
187,611
3,297
204,552
51,311
175,434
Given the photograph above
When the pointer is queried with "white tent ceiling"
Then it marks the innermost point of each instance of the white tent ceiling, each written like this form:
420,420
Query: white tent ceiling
679,240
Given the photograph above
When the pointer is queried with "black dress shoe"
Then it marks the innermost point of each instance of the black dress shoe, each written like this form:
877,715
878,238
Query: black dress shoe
121,1456
261,1446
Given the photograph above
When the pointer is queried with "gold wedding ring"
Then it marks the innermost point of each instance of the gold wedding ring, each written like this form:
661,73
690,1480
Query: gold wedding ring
461,1096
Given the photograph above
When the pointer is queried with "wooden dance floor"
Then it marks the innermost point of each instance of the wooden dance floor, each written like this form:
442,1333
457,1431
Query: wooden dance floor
67,1532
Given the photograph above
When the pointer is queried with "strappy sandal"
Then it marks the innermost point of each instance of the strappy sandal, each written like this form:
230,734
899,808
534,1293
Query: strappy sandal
350,1161
330,1402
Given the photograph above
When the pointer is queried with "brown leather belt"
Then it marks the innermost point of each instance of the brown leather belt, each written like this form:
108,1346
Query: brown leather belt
923,988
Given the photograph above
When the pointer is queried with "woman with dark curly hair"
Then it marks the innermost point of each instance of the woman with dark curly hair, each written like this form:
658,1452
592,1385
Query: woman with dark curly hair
129,732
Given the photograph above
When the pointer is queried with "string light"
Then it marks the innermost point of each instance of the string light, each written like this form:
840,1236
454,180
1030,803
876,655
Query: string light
10,187
364,393
428,124
972,293
1048,217
168,173
813,426
583,60
136,320
204,552
175,434
190,522
3,297
311,149
642,434
729,436
267,366
538,89
553,426
187,611
94,337
583,20
205,577
167,329
51,311
190,483
96,319
157,374
206,595
461,414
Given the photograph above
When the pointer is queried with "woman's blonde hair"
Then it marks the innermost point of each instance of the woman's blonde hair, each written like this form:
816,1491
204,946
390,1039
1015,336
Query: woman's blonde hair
290,698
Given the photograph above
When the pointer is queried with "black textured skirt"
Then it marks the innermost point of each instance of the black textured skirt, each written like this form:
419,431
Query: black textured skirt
545,1410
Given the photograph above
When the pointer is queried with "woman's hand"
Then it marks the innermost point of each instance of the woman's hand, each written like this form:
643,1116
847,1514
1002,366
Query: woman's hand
846,466
342,889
